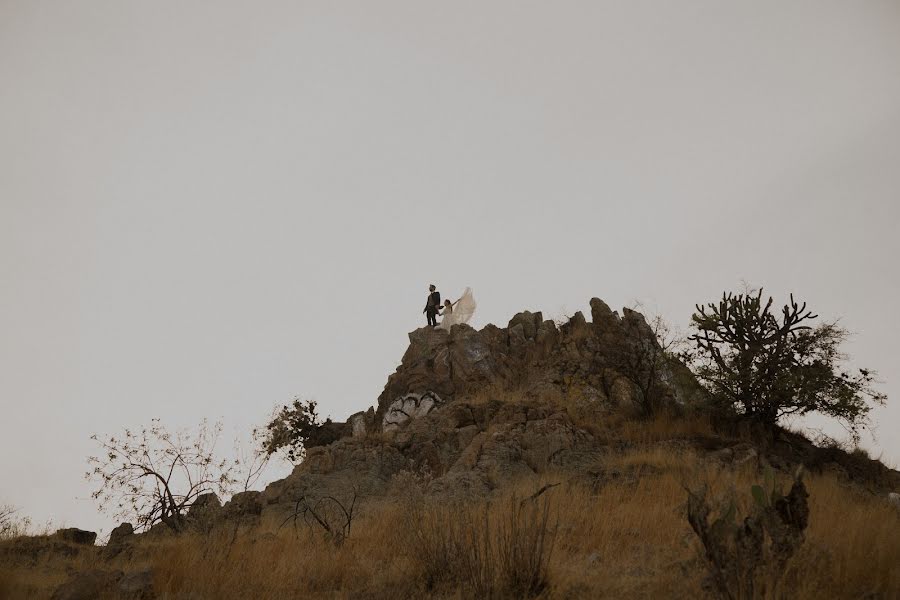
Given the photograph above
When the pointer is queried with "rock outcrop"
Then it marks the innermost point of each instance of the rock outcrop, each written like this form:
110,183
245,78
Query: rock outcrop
475,408
598,360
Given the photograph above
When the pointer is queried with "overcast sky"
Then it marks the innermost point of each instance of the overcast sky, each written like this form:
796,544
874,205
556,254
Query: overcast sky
207,208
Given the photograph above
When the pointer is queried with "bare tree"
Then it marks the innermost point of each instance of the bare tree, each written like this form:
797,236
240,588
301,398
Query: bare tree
11,524
152,475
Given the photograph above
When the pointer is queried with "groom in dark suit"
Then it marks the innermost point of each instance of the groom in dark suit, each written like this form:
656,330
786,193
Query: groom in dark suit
432,305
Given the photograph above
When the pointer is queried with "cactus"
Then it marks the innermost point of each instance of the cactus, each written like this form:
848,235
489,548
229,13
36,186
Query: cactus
744,555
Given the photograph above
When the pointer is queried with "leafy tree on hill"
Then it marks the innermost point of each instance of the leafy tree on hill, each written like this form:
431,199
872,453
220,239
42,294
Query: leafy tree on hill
768,365
289,429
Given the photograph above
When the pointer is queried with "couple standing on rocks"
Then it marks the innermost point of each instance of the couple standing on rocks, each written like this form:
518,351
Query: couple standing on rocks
453,312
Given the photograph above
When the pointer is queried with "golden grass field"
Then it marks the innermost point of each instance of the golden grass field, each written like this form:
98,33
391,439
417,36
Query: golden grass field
623,539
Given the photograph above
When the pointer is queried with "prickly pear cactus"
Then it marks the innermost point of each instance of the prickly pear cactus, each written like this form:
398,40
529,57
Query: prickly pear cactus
744,556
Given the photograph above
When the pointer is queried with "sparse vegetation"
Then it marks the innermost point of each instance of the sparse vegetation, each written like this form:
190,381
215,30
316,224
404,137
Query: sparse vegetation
492,550
290,428
331,516
531,482
12,524
153,475
626,538
748,558
768,367
643,357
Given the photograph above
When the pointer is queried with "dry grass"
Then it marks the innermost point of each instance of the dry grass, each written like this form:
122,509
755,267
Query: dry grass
625,537
624,540
490,550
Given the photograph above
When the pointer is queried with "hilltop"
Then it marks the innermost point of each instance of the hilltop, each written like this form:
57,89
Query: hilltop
537,459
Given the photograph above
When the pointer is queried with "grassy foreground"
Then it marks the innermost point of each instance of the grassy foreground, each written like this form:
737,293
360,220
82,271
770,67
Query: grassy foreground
626,538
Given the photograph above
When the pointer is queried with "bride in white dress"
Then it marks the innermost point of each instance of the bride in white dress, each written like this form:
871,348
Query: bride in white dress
458,312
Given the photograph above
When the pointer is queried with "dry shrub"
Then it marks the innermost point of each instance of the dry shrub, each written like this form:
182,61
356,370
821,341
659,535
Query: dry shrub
496,550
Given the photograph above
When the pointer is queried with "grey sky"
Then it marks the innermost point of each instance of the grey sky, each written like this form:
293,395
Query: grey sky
209,207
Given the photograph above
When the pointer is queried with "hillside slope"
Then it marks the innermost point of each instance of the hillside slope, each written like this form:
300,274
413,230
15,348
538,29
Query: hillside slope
505,462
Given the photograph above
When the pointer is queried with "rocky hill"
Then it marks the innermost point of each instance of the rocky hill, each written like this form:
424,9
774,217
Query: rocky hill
592,421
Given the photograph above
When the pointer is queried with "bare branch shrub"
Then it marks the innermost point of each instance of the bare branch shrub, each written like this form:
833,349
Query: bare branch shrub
328,513
152,475
11,524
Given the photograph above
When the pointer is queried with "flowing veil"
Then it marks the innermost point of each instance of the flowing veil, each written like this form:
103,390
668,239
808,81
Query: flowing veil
462,312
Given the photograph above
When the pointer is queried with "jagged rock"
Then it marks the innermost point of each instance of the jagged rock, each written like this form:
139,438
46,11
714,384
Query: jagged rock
243,504
529,321
602,316
531,355
437,406
77,536
119,540
120,534
577,321
894,499
203,512
207,501
362,423
328,432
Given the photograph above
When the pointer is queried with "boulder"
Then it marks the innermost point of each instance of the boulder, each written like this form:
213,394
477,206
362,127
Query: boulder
328,432
77,536
243,504
529,321
894,499
121,534
208,500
